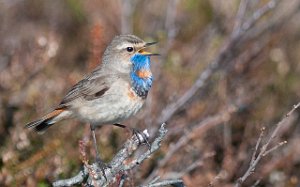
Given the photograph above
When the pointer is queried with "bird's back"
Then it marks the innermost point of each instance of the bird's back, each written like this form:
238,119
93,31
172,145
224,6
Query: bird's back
111,100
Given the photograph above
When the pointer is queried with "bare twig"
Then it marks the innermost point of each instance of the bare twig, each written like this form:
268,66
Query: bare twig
221,175
170,23
265,150
165,183
274,148
122,181
259,14
189,168
127,9
240,17
257,144
256,183
197,130
230,51
77,179
118,165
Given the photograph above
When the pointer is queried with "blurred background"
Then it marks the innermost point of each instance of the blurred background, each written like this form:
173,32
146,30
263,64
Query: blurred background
227,69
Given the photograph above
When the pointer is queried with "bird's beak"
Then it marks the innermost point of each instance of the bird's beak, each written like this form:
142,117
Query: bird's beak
143,52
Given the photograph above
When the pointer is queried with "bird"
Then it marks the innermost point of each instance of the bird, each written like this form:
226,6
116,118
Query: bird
112,92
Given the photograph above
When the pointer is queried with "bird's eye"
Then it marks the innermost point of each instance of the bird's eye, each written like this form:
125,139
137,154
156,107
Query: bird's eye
129,49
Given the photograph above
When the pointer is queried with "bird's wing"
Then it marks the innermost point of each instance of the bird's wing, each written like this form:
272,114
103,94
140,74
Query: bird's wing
89,88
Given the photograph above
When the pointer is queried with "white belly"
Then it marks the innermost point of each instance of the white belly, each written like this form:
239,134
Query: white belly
117,104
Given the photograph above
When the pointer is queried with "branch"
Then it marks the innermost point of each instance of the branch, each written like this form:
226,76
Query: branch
196,131
91,175
240,17
165,183
229,52
259,14
265,150
77,179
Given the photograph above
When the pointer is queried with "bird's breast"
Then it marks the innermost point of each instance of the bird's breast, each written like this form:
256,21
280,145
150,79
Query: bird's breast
141,82
118,103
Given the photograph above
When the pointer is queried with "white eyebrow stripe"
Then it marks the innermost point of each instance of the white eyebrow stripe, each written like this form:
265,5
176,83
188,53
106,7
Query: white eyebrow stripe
124,45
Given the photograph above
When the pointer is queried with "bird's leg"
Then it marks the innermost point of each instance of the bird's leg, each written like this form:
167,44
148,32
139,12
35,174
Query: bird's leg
99,161
95,141
137,133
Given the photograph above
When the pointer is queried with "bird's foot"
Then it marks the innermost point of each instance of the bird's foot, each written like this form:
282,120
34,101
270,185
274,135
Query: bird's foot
102,166
141,137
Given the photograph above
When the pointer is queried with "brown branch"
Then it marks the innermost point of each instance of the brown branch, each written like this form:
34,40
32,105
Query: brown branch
265,150
90,174
196,131
240,17
229,52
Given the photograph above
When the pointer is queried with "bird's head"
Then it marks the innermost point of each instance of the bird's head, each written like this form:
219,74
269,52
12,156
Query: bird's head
126,52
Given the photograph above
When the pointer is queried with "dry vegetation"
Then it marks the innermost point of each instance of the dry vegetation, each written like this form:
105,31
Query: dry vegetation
228,69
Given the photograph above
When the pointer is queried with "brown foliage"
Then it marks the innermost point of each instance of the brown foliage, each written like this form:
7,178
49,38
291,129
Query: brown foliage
227,69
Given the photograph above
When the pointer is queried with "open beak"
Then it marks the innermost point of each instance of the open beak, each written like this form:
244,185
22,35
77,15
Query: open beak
143,52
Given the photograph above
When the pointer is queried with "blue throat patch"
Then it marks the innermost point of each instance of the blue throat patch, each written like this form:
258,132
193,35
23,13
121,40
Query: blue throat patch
141,84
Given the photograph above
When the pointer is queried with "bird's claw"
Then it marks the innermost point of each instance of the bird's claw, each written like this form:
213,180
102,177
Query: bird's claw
141,137
103,166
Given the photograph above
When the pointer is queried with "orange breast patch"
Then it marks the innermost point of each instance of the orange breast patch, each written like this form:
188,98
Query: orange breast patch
143,74
131,93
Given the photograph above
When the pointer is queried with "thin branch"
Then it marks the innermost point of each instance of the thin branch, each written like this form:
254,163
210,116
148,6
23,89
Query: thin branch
240,17
189,168
127,9
275,147
256,183
118,164
264,150
197,130
77,179
257,145
221,175
154,180
122,181
259,14
166,182
170,27
227,54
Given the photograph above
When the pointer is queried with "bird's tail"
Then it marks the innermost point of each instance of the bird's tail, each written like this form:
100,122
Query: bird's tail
41,125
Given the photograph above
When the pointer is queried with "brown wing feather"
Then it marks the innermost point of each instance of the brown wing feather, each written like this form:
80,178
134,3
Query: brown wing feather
93,86
89,88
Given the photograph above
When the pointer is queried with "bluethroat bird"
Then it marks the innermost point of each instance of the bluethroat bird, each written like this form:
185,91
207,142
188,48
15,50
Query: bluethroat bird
114,91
